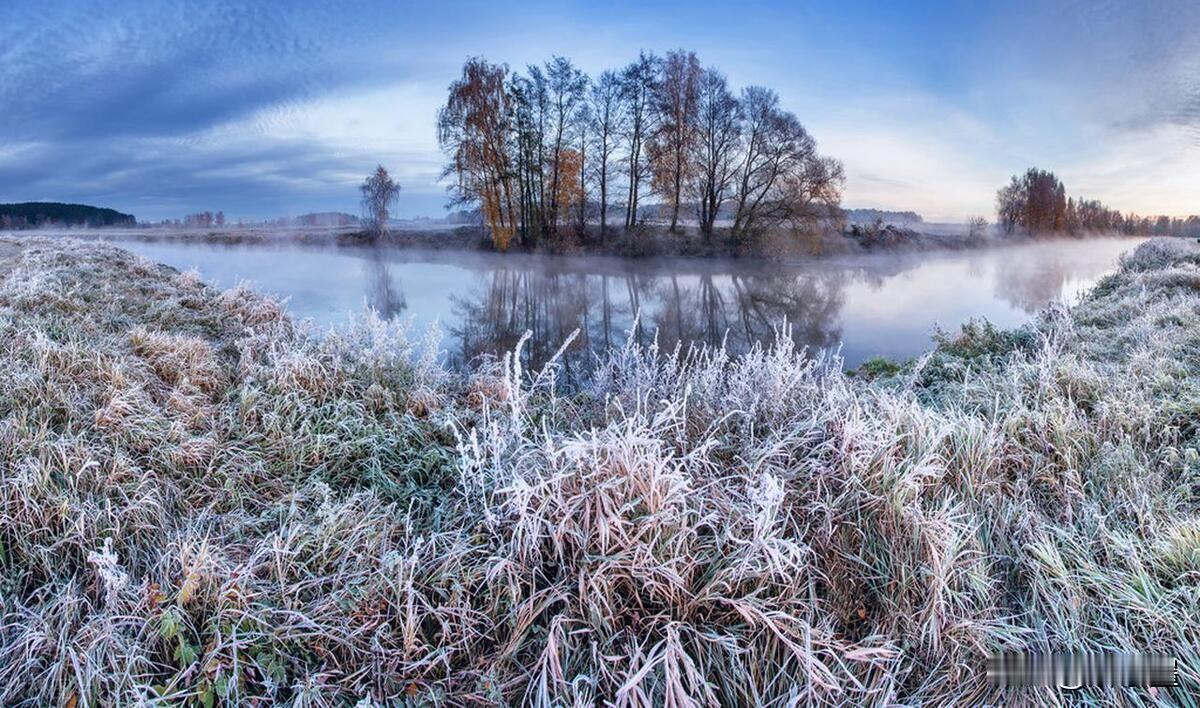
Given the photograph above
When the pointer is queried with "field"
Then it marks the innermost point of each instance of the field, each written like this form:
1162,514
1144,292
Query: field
200,501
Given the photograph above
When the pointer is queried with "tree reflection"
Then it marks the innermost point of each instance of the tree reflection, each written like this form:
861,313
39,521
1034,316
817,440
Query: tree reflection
1031,280
382,294
706,307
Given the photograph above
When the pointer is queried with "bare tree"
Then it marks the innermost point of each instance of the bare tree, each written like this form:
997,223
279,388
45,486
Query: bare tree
530,100
811,194
1009,205
583,123
608,122
638,81
977,228
567,87
775,144
675,104
379,192
718,130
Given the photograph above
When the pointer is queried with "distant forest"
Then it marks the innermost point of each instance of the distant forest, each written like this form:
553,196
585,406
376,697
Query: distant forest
1037,203
35,214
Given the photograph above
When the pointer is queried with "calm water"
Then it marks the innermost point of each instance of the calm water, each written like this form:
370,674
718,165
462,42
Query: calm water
876,305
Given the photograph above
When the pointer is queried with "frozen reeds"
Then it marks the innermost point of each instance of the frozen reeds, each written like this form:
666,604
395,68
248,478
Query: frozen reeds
199,502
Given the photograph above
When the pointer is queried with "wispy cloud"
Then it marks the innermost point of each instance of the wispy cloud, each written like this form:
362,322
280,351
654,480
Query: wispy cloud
165,106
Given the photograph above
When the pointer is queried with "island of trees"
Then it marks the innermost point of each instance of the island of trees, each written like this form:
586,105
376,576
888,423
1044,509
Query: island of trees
553,154
45,214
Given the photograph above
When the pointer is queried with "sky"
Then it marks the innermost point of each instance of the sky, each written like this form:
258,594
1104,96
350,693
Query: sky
263,109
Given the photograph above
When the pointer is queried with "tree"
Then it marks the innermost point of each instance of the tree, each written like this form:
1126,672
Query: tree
379,192
780,177
811,193
1010,205
1045,201
1037,203
530,104
566,86
977,228
474,129
608,122
638,82
583,121
220,218
570,195
675,102
717,133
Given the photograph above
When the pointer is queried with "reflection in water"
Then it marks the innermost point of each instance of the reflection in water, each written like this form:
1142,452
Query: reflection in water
386,298
1028,283
867,305
608,309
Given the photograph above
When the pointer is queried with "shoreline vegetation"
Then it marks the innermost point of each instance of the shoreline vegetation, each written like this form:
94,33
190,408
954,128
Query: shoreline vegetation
202,502
651,242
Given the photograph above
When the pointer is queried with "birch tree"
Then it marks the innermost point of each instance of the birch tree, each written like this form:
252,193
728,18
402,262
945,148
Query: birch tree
474,129
379,192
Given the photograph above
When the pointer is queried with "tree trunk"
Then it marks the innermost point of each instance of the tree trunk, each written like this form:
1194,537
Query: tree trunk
678,191
603,201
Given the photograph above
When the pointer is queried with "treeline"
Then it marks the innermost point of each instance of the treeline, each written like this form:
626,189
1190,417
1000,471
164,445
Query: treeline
546,153
1037,203
867,216
208,219
42,214
204,219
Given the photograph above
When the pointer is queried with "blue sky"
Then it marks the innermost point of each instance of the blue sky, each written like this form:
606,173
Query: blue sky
162,107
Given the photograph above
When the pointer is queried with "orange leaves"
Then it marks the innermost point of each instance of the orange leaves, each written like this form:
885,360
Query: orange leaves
570,190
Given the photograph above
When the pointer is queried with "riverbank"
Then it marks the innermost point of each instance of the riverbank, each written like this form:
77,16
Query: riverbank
649,241
200,500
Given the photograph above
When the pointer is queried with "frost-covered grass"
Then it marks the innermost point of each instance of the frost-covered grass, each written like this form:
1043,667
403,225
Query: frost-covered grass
200,502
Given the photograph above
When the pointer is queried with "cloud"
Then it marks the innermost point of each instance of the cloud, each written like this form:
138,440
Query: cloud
263,108
171,106
149,69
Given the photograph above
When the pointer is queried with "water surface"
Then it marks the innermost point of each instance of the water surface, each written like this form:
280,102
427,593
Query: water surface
863,306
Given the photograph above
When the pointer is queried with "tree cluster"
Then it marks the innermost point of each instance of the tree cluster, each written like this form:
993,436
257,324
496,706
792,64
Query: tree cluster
550,151
1037,203
204,220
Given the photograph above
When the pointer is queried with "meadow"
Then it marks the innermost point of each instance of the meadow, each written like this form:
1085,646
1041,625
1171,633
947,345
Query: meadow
201,501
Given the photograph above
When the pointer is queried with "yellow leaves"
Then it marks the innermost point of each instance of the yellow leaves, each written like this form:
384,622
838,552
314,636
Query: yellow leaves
570,194
188,589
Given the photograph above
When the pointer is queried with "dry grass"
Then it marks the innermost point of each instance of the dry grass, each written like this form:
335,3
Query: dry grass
200,502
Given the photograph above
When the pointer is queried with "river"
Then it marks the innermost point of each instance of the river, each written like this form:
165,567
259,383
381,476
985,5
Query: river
859,307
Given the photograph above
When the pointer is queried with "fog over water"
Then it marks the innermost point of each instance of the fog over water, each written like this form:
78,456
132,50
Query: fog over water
863,306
